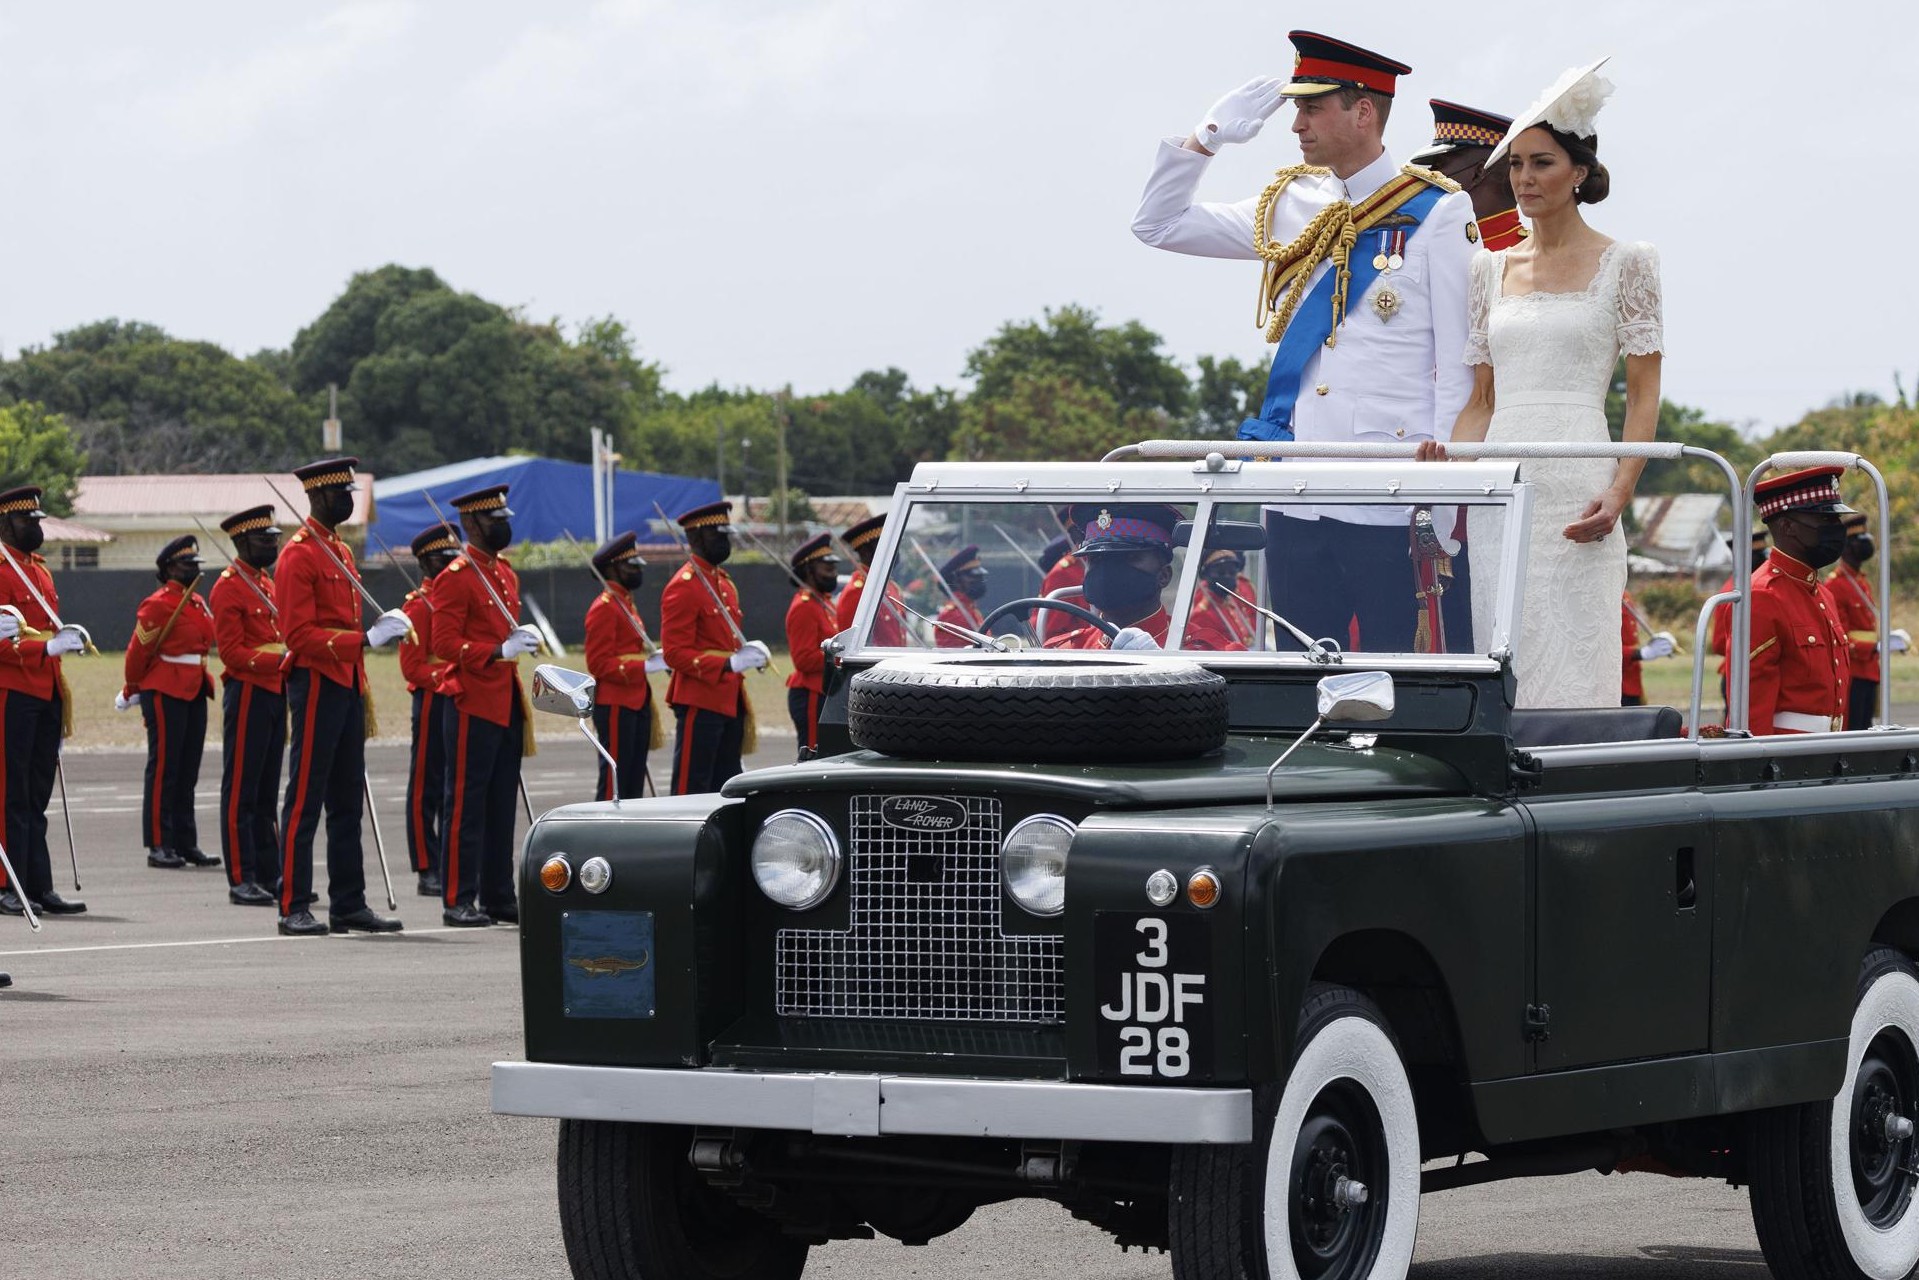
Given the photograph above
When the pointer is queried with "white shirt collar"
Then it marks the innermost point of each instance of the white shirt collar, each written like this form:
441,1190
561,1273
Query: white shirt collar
1371,178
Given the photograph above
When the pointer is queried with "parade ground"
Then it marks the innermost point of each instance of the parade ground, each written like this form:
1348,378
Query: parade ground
188,1096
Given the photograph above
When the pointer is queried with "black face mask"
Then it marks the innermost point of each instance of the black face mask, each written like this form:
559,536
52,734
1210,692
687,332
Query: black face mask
971,585
331,506
631,575
181,571
259,555
1861,546
1832,541
1758,559
1115,586
499,536
714,548
28,535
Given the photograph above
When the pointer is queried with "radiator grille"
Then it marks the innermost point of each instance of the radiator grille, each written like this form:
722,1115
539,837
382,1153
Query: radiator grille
925,938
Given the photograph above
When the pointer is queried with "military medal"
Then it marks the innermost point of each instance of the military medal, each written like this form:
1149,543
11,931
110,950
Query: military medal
1396,255
1380,260
1385,302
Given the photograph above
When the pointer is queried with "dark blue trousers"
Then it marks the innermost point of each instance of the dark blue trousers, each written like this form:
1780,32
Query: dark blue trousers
482,795
253,735
326,770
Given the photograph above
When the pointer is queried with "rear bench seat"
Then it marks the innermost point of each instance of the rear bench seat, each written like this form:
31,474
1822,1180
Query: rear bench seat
1568,726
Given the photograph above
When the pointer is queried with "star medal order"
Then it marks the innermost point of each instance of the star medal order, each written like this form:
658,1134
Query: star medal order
1386,302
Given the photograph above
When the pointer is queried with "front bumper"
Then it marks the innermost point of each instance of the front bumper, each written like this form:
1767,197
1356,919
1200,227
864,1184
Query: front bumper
872,1105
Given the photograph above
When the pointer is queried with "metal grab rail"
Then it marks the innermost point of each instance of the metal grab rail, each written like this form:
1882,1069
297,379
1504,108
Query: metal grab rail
1699,655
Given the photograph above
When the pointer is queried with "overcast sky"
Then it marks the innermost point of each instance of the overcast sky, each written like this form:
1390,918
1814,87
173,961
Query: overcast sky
795,191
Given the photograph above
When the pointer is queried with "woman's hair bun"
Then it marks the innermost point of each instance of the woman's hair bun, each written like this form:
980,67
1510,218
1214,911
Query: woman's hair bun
1597,186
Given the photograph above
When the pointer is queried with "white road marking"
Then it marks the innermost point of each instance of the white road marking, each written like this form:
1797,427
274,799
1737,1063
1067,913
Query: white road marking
198,942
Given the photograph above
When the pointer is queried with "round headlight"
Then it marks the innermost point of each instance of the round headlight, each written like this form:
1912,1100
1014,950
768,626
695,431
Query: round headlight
596,875
796,859
1033,861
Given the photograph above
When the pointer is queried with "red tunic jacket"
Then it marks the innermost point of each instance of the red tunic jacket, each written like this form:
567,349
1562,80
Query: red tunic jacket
24,664
889,628
421,669
616,650
1850,594
171,623
1632,682
320,607
467,630
697,640
809,623
246,630
1201,633
1226,614
1799,662
1067,571
959,612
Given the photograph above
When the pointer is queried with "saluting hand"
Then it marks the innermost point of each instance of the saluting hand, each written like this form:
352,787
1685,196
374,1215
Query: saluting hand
1240,115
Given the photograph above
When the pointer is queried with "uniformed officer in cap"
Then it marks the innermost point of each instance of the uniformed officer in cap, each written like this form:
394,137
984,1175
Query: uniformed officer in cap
485,715
1850,593
619,656
329,706
433,550
810,623
253,705
37,713
1129,564
1463,140
700,629
1800,667
1370,336
889,625
965,576
1222,593
166,674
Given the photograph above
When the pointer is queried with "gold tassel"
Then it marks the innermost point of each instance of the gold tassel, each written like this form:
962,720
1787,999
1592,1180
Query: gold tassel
750,737
656,732
367,715
527,746
66,703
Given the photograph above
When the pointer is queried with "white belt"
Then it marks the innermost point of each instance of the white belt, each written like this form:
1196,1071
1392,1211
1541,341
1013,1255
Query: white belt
1520,399
184,659
1802,722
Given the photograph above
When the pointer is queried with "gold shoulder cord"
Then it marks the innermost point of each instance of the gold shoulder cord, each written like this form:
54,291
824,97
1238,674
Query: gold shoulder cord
1431,177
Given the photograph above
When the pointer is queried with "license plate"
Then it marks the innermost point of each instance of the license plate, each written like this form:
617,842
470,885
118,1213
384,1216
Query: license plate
607,959
1155,1015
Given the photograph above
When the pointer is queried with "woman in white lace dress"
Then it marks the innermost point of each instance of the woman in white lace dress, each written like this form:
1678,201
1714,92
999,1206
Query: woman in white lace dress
1550,318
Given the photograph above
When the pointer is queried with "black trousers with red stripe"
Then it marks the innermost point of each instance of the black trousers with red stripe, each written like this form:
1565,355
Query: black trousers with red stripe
706,750
626,733
253,738
426,786
482,796
176,735
326,769
32,757
804,706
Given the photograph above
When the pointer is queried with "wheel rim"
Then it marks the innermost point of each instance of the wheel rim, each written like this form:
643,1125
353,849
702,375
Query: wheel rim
1884,1091
1337,1192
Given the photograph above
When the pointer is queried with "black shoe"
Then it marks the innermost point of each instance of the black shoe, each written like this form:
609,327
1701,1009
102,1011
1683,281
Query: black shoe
508,914
6,980
273,886
164,858
301,924
431,886
364,921
10,904
249,894
55,905
466,917
194,857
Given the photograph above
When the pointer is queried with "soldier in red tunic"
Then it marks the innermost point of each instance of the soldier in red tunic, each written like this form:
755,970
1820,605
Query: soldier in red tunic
327,701
1849,591
619,656
700,630
889,625
253,707
33,702
433,550
166,674
965,576
1633,656
1219,600
1800,667
1067,571
479,632
1129,564
809,624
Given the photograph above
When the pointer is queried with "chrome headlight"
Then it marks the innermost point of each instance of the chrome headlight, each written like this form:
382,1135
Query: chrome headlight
796,859
1033,863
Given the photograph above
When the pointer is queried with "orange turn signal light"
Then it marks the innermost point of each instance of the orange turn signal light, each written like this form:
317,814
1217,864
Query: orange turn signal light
556,873
1202,887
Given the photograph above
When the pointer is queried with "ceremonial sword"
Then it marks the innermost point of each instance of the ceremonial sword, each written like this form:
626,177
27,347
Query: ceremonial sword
59,765
19,890
639,629
940,580
41,600
379,845
235,566
340,564
726,615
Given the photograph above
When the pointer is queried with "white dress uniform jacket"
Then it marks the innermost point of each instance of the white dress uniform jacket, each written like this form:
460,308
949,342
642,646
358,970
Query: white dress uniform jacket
1388,380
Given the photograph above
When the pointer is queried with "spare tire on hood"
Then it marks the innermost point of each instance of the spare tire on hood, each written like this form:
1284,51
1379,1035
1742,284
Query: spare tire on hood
1031,710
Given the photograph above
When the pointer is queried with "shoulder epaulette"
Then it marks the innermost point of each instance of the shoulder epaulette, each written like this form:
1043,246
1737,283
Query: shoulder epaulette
457,564
226,572
1431,177
301,536
686,575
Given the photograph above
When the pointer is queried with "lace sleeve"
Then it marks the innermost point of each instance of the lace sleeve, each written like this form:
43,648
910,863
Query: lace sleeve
1641,330
1479,305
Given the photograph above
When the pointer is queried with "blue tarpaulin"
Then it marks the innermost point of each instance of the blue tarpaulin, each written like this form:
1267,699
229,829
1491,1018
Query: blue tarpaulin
548,498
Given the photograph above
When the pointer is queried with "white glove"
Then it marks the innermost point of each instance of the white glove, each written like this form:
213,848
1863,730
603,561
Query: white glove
519,641
752,655
124,701
387,628
9,623
1241,114
71,638
1660,646
1134,638
1901,639
656,663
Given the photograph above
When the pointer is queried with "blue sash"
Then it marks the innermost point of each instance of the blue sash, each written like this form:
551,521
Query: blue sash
1311,325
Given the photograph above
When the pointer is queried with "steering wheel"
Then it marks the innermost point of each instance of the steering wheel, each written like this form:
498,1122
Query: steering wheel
1040,602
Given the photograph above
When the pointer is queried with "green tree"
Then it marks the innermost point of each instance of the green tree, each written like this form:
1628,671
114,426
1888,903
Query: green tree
1123,363
1043,416
1682,424
1225,394
37,448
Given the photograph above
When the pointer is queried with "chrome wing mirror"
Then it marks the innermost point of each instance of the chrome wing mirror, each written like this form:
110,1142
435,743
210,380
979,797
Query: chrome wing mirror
1352,696
569,693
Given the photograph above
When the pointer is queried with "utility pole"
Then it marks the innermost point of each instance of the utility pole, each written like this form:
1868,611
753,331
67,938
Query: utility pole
330,436
719,453
746,478
781,416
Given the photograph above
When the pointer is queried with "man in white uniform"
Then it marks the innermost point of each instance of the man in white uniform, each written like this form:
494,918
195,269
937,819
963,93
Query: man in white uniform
1364,289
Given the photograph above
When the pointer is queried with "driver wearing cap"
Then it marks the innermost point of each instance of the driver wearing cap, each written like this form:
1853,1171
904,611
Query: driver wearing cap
1128,553
1800,665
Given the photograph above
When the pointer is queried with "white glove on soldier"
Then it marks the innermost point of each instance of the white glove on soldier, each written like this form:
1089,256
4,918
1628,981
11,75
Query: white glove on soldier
751,656
1901,639
520,640
1660,646
9,623
124,701
387,628
1134,638
71,638
1241,114
656,663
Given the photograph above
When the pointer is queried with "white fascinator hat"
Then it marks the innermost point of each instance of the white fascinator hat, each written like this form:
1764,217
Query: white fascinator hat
1570,104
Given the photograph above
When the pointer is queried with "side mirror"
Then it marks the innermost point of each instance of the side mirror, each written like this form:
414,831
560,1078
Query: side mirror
1356,696
564,692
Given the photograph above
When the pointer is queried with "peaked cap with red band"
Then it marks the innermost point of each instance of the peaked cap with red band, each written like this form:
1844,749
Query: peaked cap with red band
1814,489
1456,127
1138,526
1322,64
